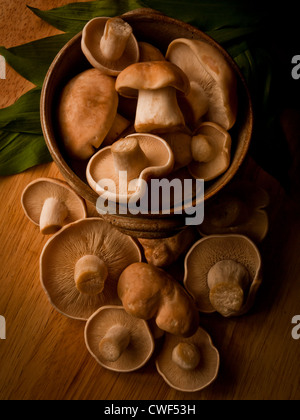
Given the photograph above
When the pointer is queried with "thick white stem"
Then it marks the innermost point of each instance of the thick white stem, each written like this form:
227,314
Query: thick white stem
114,343
90,275
158,111
115,38
52,216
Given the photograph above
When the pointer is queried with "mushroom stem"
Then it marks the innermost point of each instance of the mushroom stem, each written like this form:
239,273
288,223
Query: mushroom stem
115,38
202,150
186,355
90,275
160,109
52,215
129,157
114,343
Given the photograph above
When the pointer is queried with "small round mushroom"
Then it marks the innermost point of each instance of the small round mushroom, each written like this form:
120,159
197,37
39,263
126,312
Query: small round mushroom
150,53
118,341
80,266
211,148
189,364
180,143
241,209
207,67
86,112
129,162
109,44
223,273
51,204
155,84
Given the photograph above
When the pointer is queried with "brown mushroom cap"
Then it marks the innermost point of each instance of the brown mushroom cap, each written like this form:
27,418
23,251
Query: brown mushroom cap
189,379
180,143
150,53
38,191
211,148
137,349
240,209
143,155
207,66
87,237
86,112
90,44
209,251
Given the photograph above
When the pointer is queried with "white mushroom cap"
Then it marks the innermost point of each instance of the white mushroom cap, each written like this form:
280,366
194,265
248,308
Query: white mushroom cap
51,204
109,44
117,340
208,67
72,286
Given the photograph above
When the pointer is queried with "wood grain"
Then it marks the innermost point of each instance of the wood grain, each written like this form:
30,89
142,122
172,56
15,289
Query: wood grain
44,356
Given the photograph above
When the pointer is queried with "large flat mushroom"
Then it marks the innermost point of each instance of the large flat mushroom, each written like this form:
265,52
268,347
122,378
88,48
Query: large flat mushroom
51,204
80,266
109,44
212,79
118,341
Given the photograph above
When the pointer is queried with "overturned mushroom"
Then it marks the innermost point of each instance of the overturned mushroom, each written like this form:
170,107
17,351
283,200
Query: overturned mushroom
240,208
149,292
223,274
109,44
81,264
118,341
156,84
207,67
128,164
211,147
86,112
189,364
51,204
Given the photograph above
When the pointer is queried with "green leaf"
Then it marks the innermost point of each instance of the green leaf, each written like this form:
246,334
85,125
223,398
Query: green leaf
32,60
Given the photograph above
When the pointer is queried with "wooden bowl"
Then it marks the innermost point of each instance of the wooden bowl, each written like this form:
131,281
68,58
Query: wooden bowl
160,30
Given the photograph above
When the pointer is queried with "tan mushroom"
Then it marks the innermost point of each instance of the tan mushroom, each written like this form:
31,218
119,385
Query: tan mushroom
189,364
150,53
149,292
223,273
86,112
211,148
128,163
155,84
109,44
207,67
80,266
51,203
118,341
180,143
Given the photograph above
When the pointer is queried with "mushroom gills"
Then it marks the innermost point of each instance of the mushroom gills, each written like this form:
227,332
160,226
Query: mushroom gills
90,275
115,38
52,217
114,343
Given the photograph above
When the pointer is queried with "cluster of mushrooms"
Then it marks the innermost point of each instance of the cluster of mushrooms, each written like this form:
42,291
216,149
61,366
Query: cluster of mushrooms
145,113
124,288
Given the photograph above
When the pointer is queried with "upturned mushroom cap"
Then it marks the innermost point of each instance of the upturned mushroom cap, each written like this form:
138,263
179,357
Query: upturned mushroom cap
206,254
139,156
211,148
51,204
109,45
241,209
208,67
86,112
118,341
80,266
188,364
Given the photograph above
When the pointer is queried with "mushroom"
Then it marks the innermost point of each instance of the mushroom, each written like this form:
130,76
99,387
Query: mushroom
155,84
164,252
118,341
80,266
240,208
149,292
211,148
150,53
223,273
51,203
189,364
109,44
207,66
180,143
86,112
129,162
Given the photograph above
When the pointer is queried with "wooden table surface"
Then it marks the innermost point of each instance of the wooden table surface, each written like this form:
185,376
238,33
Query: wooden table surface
44,355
